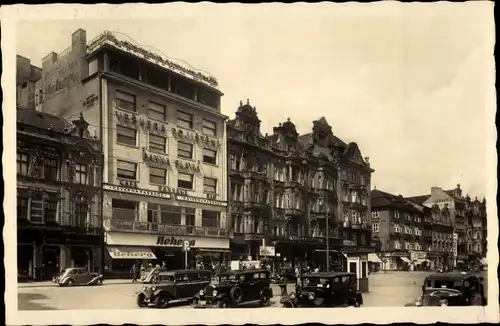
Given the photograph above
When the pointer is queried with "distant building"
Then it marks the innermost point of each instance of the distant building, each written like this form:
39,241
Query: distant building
477,229
28,83
164,143
454,207
403,232
58,195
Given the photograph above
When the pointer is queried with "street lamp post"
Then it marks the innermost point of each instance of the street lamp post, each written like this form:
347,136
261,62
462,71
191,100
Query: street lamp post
327,240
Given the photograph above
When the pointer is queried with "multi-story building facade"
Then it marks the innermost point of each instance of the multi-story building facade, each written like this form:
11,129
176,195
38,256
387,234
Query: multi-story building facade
284,193
402,230
164,144
475,212
58,195
449,208
28,83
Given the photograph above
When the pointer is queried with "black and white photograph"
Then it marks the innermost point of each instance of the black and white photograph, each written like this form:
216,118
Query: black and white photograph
221,163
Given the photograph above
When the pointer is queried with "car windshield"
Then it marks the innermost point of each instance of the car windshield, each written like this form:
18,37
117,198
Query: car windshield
224,278
312,281
443,284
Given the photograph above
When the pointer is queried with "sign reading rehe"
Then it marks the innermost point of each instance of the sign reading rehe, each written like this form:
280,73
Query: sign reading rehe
171,241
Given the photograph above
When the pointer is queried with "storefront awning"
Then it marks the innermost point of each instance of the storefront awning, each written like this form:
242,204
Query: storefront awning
120,252
374,258
215,250
406,260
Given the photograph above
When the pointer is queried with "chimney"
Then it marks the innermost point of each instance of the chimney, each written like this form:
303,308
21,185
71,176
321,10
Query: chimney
434,190
79,36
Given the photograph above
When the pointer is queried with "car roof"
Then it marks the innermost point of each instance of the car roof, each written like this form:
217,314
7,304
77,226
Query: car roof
328,274
185,271
451,276
240,272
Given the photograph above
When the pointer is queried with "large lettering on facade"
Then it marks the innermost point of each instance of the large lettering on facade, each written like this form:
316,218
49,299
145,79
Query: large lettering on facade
171,241
60,78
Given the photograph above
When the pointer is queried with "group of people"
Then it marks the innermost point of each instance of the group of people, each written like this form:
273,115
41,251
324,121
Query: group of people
139,268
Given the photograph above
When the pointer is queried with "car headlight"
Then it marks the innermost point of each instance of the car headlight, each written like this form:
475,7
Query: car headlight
311,296
418,302
443,303
292,295
153,288
201,292
215,292
144,288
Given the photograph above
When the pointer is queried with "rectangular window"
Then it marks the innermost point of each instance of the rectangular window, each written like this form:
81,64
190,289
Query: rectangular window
185,181
209,185
157,111
157,176
157,143
125,101
210,218
80,174
209,128
50,211
93,67
81,211
375,227
50,169
209,156
354,217
396,214
126,136
22,208
22,164
126,170
184,120
375,213
184,150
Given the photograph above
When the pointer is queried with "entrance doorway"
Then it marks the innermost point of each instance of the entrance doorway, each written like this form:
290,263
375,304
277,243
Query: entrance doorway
50,262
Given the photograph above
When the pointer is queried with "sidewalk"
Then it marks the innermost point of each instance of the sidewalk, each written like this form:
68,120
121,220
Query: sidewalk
50,284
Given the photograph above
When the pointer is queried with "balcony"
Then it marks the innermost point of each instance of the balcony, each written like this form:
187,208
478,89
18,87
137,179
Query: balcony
292,184
236,173
349,243
156,228
253,236
256,175
293,212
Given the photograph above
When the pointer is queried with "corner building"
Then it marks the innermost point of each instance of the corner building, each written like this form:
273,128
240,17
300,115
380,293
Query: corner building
164,144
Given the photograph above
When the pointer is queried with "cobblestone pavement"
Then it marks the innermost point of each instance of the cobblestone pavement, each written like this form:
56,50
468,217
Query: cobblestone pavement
391,289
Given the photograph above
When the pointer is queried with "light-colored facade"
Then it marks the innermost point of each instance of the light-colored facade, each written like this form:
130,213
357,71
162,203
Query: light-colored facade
164,144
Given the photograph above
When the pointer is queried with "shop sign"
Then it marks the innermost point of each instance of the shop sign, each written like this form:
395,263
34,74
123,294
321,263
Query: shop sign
173,191
133,254
136,191
154,158
194,137
201,200
129,119
416,255
90,101
171,241
212,196
127,183
266,251
187,166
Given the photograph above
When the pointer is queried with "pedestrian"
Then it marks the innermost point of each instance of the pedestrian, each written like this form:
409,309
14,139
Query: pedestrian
134,273
164,265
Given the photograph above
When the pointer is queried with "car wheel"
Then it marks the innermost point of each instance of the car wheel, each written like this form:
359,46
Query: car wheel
264,299
161,301
357,304
224,303
141,300
236,294
287,305
476,300
70,282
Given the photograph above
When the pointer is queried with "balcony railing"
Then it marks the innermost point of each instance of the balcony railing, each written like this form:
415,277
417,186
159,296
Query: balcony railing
157,228
349,243
125,214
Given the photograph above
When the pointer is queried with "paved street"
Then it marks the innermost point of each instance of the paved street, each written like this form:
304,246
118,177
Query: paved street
392,289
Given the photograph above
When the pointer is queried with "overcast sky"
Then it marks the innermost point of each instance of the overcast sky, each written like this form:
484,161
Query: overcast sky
409,85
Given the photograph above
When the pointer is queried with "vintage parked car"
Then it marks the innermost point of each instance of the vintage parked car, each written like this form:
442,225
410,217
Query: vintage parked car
236,288
148,275
451,289
173,286
78,276
325,289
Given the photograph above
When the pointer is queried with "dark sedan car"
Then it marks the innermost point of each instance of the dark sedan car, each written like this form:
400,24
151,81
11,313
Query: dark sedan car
325,289
78,276
451,289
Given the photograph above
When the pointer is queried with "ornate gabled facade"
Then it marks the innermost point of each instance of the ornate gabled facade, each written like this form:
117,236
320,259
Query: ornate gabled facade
284,194
59,218
476,226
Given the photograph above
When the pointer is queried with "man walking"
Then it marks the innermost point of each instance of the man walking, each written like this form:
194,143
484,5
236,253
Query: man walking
135,273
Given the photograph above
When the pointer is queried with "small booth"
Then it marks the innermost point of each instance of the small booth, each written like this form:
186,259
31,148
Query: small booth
358,263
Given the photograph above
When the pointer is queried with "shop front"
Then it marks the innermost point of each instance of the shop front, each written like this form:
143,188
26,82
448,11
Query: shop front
420,261
123,250
392,261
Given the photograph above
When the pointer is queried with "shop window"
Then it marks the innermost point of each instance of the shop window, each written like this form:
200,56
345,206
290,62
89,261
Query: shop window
190,214
22,208
126,135
50,211
185,181
125,101
80,174
209,185
22,164
36,214
185,120
157,143
50,169
170,215
209,156
126,170
157,176
184,150
157,111
209,128
210,218
124,209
